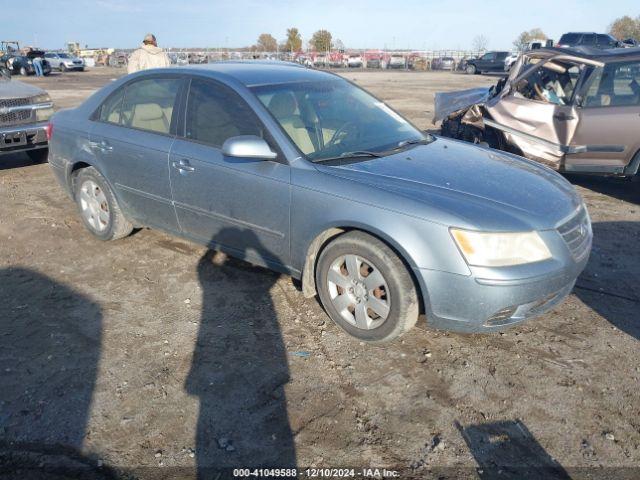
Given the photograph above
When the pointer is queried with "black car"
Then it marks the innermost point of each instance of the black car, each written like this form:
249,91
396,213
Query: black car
602,41
489,62
23,64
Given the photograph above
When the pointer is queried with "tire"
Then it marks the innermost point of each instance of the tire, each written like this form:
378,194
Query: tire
23,71
98,207
63,68
394,297
38,156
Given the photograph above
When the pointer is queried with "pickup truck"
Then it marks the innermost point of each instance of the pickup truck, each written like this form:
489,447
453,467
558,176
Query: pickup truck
489,62
24,118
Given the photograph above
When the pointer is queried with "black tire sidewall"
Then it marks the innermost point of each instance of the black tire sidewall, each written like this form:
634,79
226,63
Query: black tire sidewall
398,282
93,175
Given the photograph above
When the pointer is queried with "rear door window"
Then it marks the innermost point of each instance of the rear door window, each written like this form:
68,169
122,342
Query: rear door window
112,108
615,84
149,104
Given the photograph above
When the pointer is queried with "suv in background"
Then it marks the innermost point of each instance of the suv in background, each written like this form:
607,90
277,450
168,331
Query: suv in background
489,62
63,61
602,41
24,115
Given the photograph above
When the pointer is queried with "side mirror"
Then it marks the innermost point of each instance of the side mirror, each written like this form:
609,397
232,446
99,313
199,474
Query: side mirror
248,146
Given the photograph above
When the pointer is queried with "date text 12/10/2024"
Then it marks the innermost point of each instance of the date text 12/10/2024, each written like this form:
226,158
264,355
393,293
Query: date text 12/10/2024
315,473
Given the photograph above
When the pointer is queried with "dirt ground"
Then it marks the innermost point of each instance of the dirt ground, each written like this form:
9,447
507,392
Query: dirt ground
148,358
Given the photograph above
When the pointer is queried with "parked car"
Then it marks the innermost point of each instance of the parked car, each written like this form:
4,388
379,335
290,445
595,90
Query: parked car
489,62
443,63
396,61
303,172
24,114
354,61
64,61
574,111
602,41
23,64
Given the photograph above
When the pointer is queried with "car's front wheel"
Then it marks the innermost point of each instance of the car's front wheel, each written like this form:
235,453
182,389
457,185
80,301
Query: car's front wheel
23,71
366,289
98,206
471,69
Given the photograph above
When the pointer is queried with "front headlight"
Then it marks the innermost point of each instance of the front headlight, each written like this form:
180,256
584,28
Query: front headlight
43,114
42,98
485,249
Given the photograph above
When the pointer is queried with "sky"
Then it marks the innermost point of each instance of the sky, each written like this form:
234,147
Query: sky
394,24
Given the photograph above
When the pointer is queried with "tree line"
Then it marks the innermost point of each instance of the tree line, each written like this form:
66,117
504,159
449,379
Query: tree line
321,40
623,28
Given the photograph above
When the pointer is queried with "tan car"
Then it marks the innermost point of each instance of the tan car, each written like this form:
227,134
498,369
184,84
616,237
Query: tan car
575,110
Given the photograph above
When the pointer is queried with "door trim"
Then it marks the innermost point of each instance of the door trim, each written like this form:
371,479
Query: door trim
230,220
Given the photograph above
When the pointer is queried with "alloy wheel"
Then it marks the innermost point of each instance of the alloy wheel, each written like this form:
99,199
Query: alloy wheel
94,206
358,291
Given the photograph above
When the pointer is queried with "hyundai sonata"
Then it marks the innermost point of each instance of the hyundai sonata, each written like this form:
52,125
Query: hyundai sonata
305,173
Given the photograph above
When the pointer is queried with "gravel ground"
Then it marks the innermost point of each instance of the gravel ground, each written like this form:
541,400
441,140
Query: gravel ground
150,357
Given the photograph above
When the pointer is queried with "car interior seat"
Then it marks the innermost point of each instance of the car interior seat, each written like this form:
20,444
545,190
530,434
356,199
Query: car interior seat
283,106
149,116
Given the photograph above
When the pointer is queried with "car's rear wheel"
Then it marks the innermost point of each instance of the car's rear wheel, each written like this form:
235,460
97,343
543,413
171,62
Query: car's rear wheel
98,207
366,289
471,69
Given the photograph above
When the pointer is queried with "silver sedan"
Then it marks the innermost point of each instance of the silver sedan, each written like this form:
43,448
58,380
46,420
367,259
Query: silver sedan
305,173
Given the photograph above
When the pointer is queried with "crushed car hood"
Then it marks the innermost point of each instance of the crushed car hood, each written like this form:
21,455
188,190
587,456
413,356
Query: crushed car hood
446,103
13,89
478,184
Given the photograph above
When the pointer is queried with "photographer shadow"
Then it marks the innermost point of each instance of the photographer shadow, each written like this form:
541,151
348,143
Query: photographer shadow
239,367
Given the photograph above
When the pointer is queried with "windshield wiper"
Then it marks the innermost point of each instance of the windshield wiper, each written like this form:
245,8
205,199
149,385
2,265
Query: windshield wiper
415,141
354,154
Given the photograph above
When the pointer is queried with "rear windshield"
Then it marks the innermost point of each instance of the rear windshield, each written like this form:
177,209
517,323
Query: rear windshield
569,38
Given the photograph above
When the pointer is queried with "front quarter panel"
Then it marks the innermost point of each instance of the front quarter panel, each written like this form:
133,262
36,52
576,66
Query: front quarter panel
317,205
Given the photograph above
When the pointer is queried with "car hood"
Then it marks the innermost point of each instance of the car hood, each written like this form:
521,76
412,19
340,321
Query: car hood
15,89
481,187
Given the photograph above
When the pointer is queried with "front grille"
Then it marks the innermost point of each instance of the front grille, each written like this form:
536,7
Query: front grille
576,233
17,117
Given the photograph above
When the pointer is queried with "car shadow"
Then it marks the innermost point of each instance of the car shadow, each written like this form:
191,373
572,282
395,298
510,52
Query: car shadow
16,160
620,188
610,284
239,367
508,450
50,341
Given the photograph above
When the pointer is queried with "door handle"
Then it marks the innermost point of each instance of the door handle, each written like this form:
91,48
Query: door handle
182,166
563,117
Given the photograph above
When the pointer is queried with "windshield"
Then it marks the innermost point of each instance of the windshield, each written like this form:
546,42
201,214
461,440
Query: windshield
63,55
332,118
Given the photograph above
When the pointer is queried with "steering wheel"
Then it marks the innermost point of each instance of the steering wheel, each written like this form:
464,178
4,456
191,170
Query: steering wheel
539,92
343,131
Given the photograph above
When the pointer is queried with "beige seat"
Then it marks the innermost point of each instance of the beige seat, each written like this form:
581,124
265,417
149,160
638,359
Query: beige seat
150,116
283,107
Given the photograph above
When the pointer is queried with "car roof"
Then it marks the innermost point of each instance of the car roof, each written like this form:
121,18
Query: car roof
610,55
262,72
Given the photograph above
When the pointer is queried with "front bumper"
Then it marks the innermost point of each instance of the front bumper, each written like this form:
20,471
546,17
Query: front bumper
73,66
20,138
493,299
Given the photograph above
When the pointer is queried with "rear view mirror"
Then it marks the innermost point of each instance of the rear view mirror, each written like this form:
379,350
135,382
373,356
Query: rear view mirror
248,146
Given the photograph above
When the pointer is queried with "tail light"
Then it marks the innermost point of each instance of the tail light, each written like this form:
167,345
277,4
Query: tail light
49,130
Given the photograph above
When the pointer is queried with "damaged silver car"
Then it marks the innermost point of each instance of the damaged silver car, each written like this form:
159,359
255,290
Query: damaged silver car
575,110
